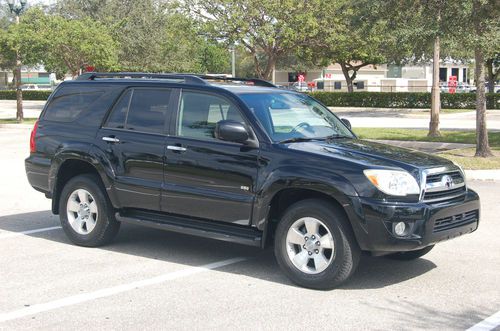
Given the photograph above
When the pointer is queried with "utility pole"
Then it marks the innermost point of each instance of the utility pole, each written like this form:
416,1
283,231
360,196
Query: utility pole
233,61
17,9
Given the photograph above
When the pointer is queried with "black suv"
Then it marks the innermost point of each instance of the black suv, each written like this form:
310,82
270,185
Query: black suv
242,161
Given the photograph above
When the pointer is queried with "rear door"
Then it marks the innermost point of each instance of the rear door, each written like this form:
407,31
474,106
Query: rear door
205,177
133,137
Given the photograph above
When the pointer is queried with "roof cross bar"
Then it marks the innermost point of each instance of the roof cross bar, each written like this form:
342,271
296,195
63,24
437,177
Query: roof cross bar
254,81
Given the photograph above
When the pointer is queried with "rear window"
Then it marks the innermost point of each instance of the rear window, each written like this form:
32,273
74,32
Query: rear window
70,102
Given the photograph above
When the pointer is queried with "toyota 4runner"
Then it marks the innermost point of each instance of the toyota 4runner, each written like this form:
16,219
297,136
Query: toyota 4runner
242,161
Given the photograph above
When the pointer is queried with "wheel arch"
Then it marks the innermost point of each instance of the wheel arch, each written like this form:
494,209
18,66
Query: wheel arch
66,167
288,196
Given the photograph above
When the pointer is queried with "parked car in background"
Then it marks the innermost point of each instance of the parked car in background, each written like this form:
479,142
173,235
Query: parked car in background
299,87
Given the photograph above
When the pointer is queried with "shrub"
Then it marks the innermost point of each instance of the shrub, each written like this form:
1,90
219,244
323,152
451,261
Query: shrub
402,100
27,95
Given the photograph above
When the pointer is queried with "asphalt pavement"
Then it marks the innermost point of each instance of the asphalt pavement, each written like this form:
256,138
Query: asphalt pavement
148,279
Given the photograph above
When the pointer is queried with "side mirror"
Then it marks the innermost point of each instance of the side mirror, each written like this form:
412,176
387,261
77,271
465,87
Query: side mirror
231,131
346,122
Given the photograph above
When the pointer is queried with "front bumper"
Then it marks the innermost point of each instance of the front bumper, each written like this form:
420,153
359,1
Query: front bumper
373,222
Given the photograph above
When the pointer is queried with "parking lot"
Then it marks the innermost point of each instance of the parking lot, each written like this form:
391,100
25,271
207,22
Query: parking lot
149,279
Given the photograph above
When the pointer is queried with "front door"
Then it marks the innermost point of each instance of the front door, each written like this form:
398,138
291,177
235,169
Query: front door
205,177
133,138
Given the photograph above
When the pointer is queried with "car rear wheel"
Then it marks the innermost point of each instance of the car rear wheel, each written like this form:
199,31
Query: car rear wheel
314,245
86,213
410,255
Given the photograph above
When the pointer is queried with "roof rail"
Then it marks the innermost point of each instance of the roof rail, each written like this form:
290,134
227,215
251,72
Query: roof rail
188,78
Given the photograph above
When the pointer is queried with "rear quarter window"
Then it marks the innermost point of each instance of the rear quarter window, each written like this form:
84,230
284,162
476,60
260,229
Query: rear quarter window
70,102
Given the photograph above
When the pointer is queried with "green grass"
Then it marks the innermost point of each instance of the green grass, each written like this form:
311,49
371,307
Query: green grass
465,157
13,121
464,137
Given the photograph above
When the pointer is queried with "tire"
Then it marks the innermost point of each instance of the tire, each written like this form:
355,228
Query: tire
333,230
410,255
90,222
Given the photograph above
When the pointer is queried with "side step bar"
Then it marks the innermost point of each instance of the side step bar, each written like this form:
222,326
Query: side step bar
208,229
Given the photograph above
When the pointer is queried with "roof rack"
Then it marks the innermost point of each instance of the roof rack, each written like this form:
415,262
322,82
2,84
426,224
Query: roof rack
187,78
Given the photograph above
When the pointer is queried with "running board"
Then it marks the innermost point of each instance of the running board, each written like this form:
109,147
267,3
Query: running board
208,229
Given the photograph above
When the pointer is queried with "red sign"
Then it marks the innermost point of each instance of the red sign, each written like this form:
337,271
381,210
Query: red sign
301,78
452,84
328,76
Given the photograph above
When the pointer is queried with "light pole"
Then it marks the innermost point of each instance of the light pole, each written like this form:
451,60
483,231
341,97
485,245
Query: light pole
17,7
233,61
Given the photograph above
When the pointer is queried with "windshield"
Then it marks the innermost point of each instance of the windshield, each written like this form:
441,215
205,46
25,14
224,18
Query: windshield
288,116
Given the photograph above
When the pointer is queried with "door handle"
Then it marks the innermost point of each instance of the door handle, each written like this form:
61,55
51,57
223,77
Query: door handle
177,148
111,139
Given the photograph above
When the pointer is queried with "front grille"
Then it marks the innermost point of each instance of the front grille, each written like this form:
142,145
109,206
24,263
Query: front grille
434,178
445,195
439,189
456,221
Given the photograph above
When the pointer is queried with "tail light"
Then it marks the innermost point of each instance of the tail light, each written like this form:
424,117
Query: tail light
32,138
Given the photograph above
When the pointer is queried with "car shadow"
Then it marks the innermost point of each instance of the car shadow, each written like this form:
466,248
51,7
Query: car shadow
372,272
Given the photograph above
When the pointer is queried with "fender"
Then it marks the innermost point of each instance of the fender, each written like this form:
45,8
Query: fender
88,153
313,179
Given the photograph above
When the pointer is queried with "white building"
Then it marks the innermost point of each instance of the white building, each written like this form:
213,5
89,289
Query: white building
379,78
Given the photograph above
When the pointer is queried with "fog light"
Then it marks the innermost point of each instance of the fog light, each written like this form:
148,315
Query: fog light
400,229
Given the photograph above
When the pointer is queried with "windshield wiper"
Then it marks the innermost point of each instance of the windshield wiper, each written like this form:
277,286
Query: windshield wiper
336,136
296,140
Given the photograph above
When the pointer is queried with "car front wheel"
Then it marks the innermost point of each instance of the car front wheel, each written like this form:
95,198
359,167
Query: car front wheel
314,245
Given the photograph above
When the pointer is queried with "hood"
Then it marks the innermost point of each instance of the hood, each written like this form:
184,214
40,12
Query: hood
371,153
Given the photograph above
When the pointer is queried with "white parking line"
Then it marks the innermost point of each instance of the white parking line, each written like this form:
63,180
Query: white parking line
488,324
106,292
15,234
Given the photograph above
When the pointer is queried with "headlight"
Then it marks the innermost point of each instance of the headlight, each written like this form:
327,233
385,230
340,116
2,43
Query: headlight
393,182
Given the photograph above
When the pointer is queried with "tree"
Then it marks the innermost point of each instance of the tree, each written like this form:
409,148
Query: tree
358,37
485,39
152,35
425,29
65,45
269,30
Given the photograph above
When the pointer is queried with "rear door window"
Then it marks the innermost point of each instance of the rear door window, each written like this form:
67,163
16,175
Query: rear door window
142,110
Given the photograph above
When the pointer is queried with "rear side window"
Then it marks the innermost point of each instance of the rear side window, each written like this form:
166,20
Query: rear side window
67,105
141,110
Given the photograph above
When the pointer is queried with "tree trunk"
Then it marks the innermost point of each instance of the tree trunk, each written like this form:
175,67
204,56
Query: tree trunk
270,66
435,93
19,92
19,95
348,78
482,143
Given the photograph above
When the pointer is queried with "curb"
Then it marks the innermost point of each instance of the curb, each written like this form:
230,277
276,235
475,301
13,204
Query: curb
493,174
